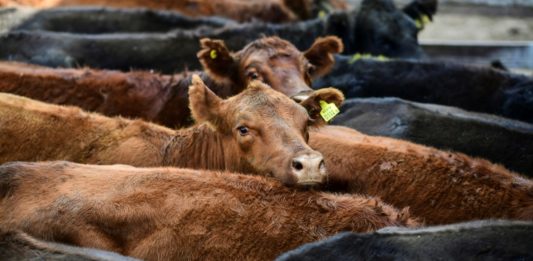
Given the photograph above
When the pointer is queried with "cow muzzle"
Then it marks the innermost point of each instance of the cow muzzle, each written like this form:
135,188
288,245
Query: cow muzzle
309,169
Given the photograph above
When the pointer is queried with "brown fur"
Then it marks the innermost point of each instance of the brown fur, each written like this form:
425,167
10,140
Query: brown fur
240,10
150,96
271,60
178,214
439,187
33,131
163,98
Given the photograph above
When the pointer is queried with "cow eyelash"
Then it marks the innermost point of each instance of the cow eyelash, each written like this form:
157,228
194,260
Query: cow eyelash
243,130
253,75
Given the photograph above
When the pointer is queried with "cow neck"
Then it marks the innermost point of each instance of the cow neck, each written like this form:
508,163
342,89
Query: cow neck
175,113
201,147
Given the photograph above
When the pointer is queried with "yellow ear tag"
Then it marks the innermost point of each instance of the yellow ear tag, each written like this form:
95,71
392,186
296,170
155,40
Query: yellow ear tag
422,21
213,54
322,14
418,24
329,110
425,20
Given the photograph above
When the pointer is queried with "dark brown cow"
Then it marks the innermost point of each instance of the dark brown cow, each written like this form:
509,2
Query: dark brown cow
439,187
276,11
258,131
177,214
163,98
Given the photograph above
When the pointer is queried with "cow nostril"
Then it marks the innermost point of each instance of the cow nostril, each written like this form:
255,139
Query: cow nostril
297,165
322,165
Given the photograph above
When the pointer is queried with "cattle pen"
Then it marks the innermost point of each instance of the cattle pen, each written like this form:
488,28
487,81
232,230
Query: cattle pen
266,130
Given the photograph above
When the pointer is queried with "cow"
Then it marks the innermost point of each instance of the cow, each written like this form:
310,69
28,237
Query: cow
163,98
17,245
388,31
440,187
274,11
448,128
231,134
98,20
174,214
477,89
479,240
268,11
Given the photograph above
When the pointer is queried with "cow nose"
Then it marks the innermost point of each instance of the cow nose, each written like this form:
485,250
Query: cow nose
309,169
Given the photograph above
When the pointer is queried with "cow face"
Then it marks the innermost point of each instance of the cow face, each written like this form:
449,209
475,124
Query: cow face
382,29
270,60
266,130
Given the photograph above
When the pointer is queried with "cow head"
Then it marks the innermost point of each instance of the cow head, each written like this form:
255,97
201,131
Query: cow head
270,60
265,130
383,29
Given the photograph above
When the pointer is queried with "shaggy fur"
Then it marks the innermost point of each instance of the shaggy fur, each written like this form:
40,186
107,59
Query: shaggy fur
163,98
439,187
178,214
34,131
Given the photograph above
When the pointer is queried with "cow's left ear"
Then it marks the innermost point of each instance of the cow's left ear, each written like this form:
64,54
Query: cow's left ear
316,102
204,104
219,63
421,11
320,55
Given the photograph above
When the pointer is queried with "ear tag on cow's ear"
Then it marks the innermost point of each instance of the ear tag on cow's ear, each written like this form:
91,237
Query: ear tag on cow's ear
422,21
213,54
322,15
329,110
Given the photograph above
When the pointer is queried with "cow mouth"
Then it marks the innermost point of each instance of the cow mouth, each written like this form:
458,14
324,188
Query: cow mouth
309,183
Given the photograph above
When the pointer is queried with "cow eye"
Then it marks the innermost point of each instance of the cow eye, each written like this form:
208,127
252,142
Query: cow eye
311,69
253,75
243,131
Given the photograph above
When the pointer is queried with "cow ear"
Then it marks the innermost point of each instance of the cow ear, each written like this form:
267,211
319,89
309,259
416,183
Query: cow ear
325,96
320,55
217,60
421,11
204,104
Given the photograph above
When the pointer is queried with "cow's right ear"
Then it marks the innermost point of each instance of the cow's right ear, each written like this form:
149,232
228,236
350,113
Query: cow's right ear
314,102
204,104
217,60
421,11
320,54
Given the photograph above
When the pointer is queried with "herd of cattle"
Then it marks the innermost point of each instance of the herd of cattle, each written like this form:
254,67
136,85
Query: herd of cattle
172,136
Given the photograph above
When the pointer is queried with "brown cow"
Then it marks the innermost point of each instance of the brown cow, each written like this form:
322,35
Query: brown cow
16,245
275,11
163,98
177,214
258,131
439,187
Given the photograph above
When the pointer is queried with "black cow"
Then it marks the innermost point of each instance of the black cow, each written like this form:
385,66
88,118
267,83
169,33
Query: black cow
387,30
479,89
16,245
100,20
479,240
476,134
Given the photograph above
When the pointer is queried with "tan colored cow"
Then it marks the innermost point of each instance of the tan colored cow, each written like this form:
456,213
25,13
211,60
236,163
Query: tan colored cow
440,187
258,131
177,214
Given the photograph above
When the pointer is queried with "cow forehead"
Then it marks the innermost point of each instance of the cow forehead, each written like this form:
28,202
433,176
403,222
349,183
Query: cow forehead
269,48
262,101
